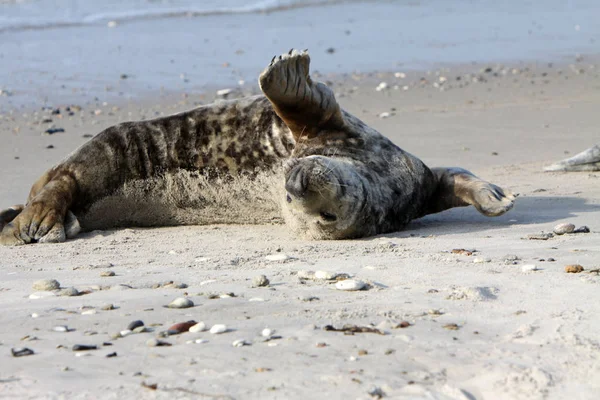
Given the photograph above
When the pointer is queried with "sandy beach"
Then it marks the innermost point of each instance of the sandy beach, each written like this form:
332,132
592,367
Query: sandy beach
454,308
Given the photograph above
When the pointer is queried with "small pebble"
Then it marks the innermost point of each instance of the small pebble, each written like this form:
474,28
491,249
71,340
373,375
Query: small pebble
561,229
107,273
224,92
529,268
107,307
135,324
35,315
304,274
21,352
573,269
199,327
325,275
481,260
46,285
200,341
350,285
260,281
267,332
451,327
89,312
277,257
68,292
61,328
240,343
125,332
84,347
181,302
140,329
181,327
111,355
540,236
218,329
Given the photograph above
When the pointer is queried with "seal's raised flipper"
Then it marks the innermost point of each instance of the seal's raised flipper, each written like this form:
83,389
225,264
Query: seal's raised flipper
588,160
307,107
457,187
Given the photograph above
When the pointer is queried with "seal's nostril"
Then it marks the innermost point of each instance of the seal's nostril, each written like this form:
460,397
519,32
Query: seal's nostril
328,216
288,198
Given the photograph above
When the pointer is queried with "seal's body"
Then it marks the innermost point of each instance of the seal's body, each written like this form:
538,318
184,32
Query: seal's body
343,179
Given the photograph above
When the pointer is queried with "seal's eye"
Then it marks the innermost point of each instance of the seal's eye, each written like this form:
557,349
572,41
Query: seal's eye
328,217
288,198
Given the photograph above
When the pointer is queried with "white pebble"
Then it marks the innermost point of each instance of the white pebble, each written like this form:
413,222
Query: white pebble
277,257
61,328
326,275
200,341
481,260
400,75
561,229
173,252
304,274
35,315
256,299
46,284
125,332
41,295
199,327
202,259
529,268
111,24
385,115
207,282
239,343
218,329
89,312
267,332
181,302
350,285
381,86
271,344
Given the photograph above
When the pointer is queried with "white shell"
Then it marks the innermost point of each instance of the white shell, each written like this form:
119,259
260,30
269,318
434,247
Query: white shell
199,327
561,229
41,295
277,257
218,328
239,343
304,274
350,285
60,328
529,268
481,260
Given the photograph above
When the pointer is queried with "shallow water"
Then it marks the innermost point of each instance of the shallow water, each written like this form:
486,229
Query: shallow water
191,47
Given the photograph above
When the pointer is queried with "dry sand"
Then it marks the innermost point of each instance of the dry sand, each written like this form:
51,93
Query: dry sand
517,335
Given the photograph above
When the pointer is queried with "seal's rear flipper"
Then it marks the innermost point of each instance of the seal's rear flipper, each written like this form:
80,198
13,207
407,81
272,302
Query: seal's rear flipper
457,187
9,214
588,160
306,107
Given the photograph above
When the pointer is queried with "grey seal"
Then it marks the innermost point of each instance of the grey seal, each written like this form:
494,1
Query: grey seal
342,178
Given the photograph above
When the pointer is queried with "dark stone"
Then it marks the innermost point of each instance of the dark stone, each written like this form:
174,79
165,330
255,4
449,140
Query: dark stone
135,324
84,347
21,352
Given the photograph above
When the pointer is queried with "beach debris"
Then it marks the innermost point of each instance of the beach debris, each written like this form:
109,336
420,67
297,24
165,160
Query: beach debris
199,327
181,327
350,285
84,347
21,352
46,285
451,327
260,281
463,252
217,329
573,269
240,343
540,236
352,329
181,302
561,229
277,257
153,342
529,268
135,324
106,274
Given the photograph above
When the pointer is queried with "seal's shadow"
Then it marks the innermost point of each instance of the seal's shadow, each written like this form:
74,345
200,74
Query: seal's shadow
527,210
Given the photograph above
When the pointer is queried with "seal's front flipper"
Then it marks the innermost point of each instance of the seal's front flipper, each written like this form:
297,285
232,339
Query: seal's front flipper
9,214
307,107
457,187
588,160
